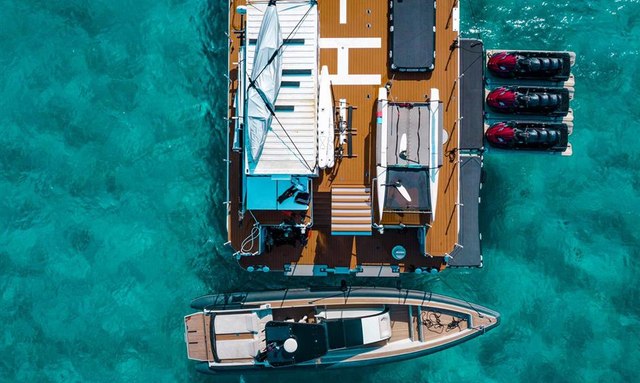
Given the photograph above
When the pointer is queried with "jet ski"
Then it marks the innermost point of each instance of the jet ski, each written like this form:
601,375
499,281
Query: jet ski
542,136
551,66
529,100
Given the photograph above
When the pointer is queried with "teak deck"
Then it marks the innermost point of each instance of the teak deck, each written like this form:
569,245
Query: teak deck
366,18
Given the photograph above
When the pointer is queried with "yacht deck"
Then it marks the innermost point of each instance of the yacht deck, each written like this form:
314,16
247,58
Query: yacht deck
354,45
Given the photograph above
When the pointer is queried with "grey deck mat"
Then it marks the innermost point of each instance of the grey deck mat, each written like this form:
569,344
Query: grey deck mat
412,121
472,97
470,254
413,36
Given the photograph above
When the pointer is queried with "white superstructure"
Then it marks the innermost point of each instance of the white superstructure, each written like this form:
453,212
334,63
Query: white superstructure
291,143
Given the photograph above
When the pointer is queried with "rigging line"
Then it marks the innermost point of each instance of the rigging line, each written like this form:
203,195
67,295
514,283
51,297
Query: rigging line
344,293
302,159
253,235
273,114
252,82
472,307
473,62
262,96
475,20
282,46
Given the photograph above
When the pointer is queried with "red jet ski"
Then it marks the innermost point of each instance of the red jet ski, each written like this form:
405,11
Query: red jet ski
542,136
529,100
551,66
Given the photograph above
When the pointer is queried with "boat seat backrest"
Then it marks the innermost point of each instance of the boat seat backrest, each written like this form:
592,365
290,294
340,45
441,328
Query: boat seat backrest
236,323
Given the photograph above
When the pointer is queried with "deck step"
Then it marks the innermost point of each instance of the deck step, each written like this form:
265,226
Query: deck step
351,210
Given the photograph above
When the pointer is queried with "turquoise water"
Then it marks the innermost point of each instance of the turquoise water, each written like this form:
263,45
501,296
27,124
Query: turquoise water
112,183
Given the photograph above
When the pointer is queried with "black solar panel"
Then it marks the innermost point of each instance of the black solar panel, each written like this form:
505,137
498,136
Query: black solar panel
412,35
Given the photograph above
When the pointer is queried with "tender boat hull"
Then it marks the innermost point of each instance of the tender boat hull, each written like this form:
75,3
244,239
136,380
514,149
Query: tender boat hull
437,322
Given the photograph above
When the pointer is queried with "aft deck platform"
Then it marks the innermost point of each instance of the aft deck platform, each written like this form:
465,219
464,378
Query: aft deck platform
353,41
472,94
468,253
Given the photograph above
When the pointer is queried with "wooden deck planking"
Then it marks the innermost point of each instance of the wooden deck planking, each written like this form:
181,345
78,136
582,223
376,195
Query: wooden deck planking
366,19
399,315
432,330
197,328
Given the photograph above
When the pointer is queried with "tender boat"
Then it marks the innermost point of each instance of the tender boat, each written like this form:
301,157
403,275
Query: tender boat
551,66
529,100
327,328
529,135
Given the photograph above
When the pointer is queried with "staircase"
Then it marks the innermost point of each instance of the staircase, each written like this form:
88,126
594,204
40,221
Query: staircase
350,210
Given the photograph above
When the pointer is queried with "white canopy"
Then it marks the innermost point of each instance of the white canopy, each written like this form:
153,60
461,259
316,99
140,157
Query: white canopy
264,83
291,144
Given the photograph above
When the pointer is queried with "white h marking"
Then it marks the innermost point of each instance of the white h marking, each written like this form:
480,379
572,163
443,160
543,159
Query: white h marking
342,45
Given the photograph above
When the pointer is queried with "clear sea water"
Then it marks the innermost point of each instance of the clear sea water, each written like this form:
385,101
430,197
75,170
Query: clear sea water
112,183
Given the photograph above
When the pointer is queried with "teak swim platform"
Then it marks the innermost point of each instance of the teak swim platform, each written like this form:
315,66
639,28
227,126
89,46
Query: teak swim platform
387,181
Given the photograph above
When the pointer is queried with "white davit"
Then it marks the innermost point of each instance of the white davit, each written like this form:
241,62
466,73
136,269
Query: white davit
325,121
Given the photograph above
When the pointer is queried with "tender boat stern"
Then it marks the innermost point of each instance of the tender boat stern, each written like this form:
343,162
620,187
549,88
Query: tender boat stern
197,330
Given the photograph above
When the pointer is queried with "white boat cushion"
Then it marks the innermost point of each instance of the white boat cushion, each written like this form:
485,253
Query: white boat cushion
376,328
242,323
237,349
236,323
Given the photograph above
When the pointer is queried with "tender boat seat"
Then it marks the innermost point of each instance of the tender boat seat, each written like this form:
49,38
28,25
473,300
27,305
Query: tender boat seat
241,323
236,324
238,348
